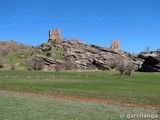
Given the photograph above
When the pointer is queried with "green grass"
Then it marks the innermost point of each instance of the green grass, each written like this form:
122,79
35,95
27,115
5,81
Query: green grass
140,88
26,107
20,62
15,58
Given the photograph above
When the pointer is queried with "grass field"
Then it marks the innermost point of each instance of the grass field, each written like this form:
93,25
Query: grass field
140,88
25,107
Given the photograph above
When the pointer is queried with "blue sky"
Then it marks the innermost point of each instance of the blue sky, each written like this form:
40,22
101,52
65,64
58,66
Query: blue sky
136,23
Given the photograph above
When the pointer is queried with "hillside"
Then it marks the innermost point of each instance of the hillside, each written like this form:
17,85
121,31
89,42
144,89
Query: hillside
14,54
74,55
8,47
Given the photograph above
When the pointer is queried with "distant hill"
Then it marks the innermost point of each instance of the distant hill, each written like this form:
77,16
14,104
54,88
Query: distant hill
7,47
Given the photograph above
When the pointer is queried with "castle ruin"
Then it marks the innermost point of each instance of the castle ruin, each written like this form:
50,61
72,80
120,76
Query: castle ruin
54,36
115,45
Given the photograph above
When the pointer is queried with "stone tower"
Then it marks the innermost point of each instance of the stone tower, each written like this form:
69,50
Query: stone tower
54,36
115,45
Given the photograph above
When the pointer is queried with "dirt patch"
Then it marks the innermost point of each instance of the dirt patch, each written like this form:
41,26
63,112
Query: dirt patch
108,102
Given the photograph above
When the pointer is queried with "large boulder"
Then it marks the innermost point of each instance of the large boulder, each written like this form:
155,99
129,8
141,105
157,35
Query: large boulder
151,61
46,47
151,64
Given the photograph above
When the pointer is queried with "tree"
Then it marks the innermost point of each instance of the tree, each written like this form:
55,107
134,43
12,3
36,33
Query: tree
147,49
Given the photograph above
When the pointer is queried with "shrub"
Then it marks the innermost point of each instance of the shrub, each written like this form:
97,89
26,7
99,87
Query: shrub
69,65
13,67
147,49
1,64
54,56
35,63
48,54
121,68
125,67
129,68
113,64
66,65
58,68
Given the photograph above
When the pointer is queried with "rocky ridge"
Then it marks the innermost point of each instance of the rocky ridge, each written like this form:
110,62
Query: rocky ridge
92,57
80,56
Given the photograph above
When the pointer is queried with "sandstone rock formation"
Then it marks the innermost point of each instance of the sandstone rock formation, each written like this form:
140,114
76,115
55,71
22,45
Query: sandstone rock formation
46,47
89,57
92,57
152,61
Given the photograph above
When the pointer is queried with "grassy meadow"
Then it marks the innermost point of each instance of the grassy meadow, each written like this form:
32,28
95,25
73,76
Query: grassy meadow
26,107
139,88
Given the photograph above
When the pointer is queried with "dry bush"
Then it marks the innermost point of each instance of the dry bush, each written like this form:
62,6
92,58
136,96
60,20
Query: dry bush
121,68
69,65
113,64
1,64
13,67
147,49
54,56
125,67
129,68
34,63
58,68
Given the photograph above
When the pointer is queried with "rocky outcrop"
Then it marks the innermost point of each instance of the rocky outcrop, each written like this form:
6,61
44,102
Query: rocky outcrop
36,62
49,61
151,61
46,47
89,57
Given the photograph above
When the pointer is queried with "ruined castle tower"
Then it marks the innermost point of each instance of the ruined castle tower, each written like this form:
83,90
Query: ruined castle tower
54,36
115,45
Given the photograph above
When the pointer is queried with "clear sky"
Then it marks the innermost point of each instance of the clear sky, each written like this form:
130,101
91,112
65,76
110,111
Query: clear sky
136,23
